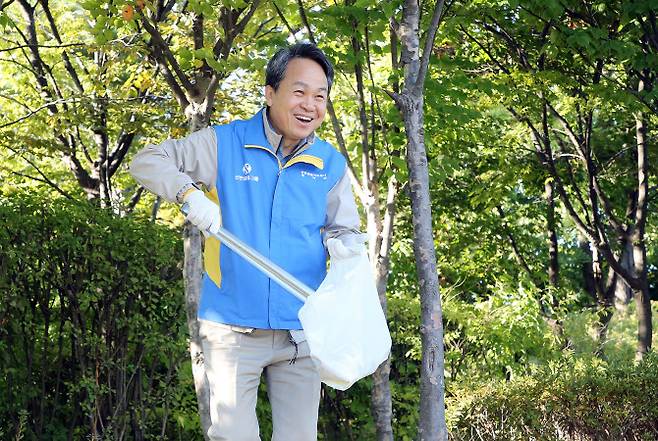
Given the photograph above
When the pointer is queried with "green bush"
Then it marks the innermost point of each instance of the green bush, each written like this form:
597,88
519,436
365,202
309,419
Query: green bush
501,336
568,400
92,325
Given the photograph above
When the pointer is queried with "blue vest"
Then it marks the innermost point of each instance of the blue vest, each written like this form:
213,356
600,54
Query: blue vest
279,210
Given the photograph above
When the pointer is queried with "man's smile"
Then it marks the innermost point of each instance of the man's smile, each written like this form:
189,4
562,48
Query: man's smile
304,119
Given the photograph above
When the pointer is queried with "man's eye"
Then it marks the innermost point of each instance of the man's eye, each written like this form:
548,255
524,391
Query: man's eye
299,92
320,97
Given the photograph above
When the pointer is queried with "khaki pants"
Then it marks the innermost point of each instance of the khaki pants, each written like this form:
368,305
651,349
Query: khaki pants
235,358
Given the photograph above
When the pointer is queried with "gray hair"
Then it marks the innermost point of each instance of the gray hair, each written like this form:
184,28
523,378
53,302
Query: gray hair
276,67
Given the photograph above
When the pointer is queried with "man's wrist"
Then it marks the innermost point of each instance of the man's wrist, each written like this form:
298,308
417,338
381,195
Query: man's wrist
188,192
185,191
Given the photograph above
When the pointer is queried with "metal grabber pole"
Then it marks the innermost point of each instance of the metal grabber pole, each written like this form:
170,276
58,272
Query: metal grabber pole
269,268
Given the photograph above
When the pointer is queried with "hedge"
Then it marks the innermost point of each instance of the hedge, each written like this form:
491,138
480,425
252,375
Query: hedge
568,400
92,330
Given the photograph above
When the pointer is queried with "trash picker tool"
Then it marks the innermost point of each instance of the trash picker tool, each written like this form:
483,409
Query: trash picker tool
289,282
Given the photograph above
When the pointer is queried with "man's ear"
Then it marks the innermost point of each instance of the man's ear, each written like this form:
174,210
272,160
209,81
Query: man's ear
269,94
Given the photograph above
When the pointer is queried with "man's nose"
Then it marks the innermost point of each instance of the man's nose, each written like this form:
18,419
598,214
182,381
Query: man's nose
307,102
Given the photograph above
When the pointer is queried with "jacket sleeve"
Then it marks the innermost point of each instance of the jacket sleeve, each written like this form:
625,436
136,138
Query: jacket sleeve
342,219
171,168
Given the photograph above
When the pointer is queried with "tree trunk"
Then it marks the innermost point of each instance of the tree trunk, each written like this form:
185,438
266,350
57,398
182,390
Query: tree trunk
641,293
381,402
587,269
553,264
432,409
601,292
642,301
379,235
155,208
196,97
623,292
551,302
604,316
193,274
380,398
432,424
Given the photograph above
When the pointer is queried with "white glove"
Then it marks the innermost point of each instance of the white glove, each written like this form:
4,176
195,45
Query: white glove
203,212
346,247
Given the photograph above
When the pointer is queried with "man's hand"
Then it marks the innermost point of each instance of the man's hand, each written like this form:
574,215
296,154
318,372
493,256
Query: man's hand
203,212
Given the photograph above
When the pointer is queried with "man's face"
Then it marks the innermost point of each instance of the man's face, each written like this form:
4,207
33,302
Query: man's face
298,106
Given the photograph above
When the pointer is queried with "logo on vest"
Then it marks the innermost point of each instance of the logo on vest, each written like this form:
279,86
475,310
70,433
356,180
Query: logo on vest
314,175
246,174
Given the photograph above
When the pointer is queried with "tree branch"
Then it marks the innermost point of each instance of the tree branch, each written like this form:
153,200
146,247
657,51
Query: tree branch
85,151
197,30
135,199
34,57
507,37
261,26
33,112
115,158
591,170
178,92
11,98
21,65
45,181
334,120
165,8
546,158
166,54
486,50
302,14
427,50
283,19
67,63
375,104
69,157
366,177
47,46
572,180
515,248
211,89
43,178
239,27
4,4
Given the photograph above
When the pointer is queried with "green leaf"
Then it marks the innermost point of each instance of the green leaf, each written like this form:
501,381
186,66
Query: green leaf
398,162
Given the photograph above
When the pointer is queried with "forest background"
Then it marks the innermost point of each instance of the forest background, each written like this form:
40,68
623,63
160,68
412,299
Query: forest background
540,134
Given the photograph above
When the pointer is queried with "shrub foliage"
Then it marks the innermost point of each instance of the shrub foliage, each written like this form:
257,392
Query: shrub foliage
569,400
91,337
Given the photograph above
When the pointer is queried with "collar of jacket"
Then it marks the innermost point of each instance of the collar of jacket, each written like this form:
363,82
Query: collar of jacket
260,140
275,139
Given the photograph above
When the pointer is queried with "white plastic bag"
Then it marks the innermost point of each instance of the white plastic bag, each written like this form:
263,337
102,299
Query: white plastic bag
343,321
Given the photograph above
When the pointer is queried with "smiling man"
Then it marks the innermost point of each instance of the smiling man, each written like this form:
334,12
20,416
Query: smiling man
283,191
298,102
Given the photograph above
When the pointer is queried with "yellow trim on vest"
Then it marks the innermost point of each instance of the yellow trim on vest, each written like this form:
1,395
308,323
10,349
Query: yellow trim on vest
254,146
212,247
308,159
